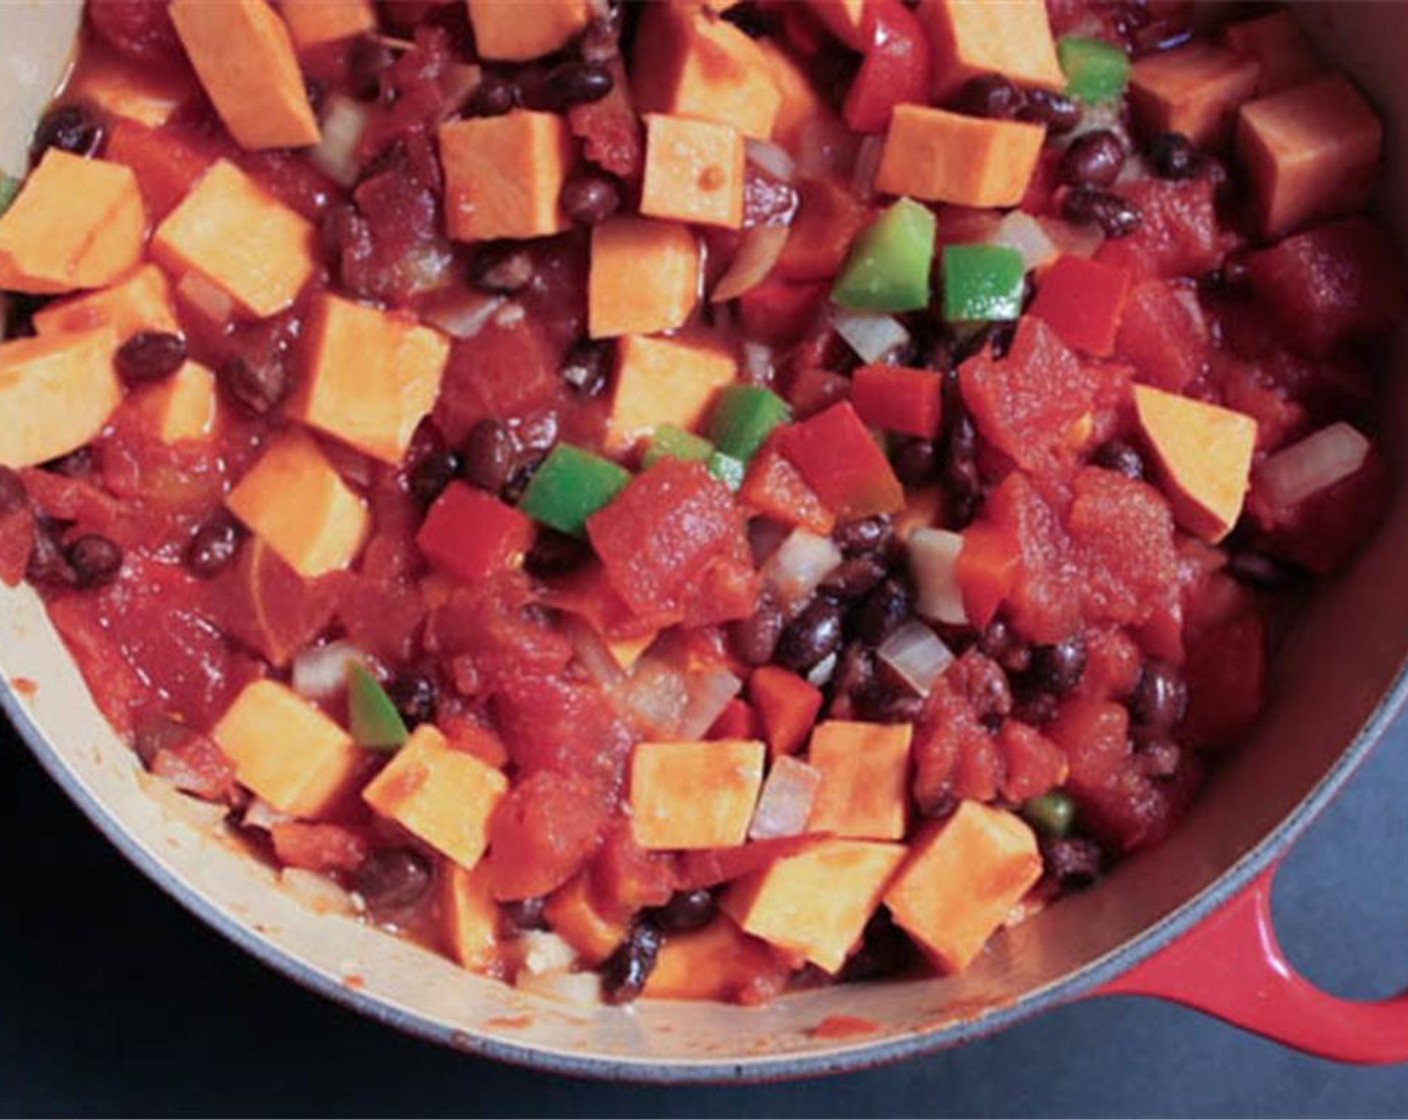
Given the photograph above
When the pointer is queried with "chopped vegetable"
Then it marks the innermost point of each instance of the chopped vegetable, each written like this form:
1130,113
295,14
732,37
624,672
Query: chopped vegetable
64,385
472,535
1315,463
1083,302
864,777
975,37
842,463
1096,72
9,191
933,561
898,399
799,565
917,656
1194,91
666,810
894,68
663,381
570,486
786,801
694,171
888,266
872,337
672,442
982,283
1052,813
372,718
744,416
939,156
503,175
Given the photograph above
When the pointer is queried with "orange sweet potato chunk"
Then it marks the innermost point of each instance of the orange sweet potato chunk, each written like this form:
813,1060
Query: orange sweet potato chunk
1195,90
50,243
973,37
719,962
694,795
56,393
1279,47
503,175
938,156
314,22
799,103
645,277
864,779
470,917
576,918
961,880
663,381
140,301
693,171
244,58
519,30
1311,152
183,407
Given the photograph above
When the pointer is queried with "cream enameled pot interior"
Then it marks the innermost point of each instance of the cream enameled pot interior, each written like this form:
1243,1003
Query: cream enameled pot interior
1339,665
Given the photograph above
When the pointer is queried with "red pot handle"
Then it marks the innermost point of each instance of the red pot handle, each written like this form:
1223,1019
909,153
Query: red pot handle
1232,966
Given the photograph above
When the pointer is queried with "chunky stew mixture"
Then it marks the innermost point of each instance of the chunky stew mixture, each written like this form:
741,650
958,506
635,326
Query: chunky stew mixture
690,499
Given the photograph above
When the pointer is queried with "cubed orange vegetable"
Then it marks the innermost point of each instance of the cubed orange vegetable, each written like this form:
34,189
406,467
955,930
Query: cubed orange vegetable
693,171
1204,454
961,880
787,707
470,917
234,235
663,381
1280,48
518,30
140,301
371,376
294,500
645,277
286,750
815,904
77,223
694,795
443,796
503,175
314,22
799,105
843,18
719,962
576,918
121,88
864,779
1195,90
689,63
972,37
182,407
1310,152
56,393
938,156
244,58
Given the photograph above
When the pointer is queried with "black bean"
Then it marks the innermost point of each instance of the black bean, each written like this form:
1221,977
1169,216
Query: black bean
1093,159
588,199
855,671
489,455
996,337
587,367
865,534
70,128
574,83
888,698
149,356
392,878
1157,755
414,694
685,911
989,95
255,385
1003,646
982,681
555,554
12,493
1172,156
526,913
937,805
367,59
76,464
1120,457
754,639
916,461
1160,698
47,564
522,474
1258,570
1073,861
1115,215
431,473
811,637
500,268
1056,111
95,560
883,611
854,578
624,973
884,951
492,97
213,546
1035,707
958,470
1058,668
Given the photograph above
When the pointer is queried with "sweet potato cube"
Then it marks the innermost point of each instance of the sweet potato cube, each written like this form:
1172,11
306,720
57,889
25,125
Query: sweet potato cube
311,23
239,239
503,175
693,171
140,301
1195,90
470,917
286,750
843,18
518,30
244,58
690,63
121,88
644,277
576,918
1279,47
864,779
439,794
719,962
694,795
56,393
799,102
77,223
371,376
294,501
1204,454
663,381
1310,152
815,904
938,156
973,37
960,881
184,406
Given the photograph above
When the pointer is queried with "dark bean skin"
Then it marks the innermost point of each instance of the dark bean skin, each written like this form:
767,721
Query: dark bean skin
12,493
958,469
255,386
984,683
76,464
149,356
95,560
1158,756
939,806
754,639
492,97
883,611
624,973
991,96
810,637
996,337
1172,156
855,671
213,546
885,950
414,694
367,59
1036,708
574,83
866,534
555,554
1093,159
502,269
916,461
489,455
1058,668
70,128
523,471
48,565
1121,458
1073,861
526,913
1160,698
587,368
854,578
1259,571
998,642
431,473
888,699
392,878
1056,111
589,199
1116,216
685,911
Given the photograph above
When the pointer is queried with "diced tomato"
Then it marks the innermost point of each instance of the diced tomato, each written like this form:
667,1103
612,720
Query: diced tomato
828,218
895,67
1112,663
494,626
1044,604
987,565
98,658
1032,763
709,867
471,535
1178,232
1325,530
627,878
319,847
736,721
270,607
1226,678
842,463
787,706
1122,532
501,371
610,129
165,165
1249,389
776,312
566,726
898,399
775,488
954,754
16,543
1083,302
139,29
1166,343
544,831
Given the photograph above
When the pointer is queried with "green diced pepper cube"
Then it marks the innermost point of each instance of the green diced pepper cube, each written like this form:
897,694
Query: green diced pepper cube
982,283
888,266
9,190
570,486
671,442
744,417
372,718
1052,813
1096,72
727,469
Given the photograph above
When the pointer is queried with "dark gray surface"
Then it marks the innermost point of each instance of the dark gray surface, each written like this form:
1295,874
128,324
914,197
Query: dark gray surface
114,1001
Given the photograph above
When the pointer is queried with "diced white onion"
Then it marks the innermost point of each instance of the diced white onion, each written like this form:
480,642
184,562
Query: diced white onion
867,164
799,565
757,253
206,298
1071,239
1187,298
933,560
540,952
1322,459
757,362
870,336
1095,118
826,147
656,695
317,892
786,801
709,692
336,153
580,989
821,671
465,315
772,159
917,655
1019,230
260,814
320,673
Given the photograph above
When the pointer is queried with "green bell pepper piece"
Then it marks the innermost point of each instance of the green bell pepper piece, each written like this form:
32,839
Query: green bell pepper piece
671,442
1096,72
744,417
9,190
372,718
888,266
982,283
1052,813
570,486
727,469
